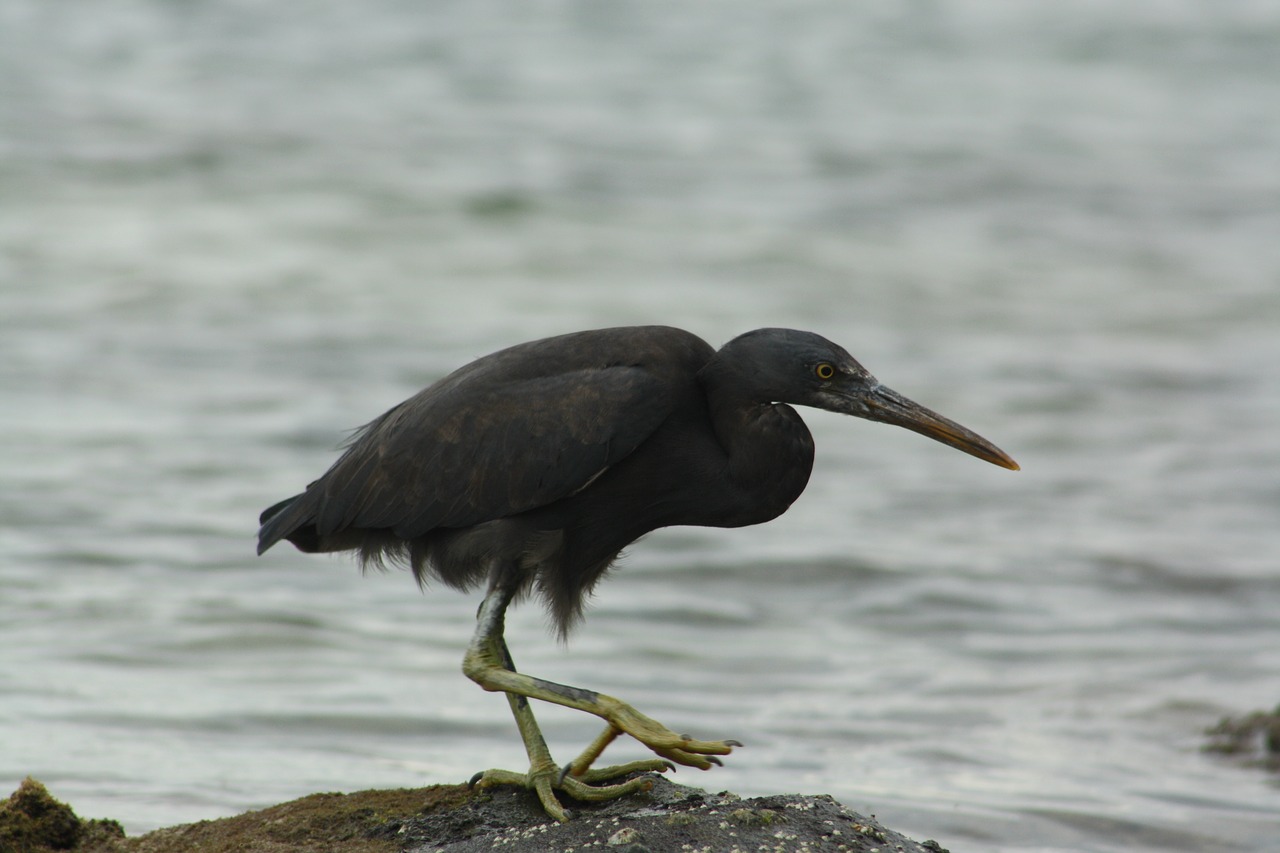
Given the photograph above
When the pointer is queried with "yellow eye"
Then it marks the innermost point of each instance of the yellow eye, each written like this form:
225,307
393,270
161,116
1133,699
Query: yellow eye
824,371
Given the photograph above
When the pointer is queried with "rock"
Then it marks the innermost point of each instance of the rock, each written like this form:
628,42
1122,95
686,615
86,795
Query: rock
1254,739
32,821
455,819
670,817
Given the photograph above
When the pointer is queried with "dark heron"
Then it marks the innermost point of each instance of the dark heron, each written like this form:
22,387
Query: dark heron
529,470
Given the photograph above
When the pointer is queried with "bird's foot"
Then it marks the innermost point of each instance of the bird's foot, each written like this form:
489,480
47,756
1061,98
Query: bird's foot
546,780
681,749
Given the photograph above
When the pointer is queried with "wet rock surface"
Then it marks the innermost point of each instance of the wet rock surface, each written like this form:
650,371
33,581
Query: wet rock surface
1253,739
455,819
668,818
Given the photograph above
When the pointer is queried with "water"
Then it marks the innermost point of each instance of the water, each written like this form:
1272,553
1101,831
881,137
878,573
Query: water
231,231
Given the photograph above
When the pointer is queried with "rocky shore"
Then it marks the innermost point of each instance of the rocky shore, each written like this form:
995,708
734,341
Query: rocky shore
455,819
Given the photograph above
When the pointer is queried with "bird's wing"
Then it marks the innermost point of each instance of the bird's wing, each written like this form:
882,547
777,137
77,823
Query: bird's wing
463,453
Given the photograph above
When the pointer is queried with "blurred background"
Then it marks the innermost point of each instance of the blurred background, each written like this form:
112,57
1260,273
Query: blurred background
232,231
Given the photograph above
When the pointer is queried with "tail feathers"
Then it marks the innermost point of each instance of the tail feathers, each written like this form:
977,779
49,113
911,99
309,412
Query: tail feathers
279,523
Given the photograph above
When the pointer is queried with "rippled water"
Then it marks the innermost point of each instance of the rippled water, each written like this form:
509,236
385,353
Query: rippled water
229,232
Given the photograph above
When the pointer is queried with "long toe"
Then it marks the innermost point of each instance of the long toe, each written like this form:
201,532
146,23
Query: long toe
617,771
546,782
681,749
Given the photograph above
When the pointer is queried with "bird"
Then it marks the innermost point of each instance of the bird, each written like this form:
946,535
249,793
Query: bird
529,470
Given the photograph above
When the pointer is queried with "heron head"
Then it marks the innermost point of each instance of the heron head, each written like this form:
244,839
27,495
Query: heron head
805,369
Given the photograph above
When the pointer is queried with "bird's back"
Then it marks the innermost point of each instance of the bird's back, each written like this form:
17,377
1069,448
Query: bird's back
510,432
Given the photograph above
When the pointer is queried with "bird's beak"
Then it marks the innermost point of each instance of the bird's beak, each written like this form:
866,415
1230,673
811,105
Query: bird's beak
890,407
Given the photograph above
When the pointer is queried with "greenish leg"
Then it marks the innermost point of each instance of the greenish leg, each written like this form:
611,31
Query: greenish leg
488,662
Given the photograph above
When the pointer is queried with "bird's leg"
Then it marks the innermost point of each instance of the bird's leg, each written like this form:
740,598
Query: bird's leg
489,649
488,664
583,762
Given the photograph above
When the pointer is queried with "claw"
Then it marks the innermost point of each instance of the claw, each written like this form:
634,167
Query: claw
711,759
564,773
471,783
733,743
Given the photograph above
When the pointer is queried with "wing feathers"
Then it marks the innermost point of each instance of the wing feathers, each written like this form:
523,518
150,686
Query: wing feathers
458,459
505,434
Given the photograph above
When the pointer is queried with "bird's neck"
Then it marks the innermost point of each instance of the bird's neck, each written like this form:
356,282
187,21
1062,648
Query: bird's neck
769,449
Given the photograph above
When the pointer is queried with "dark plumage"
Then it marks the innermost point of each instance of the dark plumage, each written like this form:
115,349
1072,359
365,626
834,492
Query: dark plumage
548,458
533,467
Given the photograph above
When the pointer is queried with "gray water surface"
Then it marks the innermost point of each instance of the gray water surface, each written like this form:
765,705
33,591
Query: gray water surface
230,232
